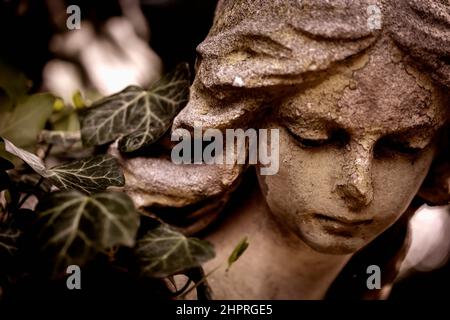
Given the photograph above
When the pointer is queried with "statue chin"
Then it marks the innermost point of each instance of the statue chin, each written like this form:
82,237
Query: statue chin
332,244
330,237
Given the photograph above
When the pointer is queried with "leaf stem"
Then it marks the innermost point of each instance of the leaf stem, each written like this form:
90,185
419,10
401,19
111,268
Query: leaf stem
30,193
202,280
186,285
47,151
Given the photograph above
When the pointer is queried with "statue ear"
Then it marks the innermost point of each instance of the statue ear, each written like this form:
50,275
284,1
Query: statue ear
435,190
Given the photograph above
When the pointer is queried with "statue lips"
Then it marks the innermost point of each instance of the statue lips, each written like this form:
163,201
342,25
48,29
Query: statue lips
340,224
343,220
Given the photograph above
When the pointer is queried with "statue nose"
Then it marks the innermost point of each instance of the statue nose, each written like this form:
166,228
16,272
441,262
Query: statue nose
355,187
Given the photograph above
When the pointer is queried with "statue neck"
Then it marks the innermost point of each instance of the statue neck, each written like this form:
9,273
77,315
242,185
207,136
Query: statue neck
276,265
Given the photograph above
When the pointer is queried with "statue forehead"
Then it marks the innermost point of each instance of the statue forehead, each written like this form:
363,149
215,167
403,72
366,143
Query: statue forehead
378,90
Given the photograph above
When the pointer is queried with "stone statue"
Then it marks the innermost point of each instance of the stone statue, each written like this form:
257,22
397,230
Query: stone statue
359,92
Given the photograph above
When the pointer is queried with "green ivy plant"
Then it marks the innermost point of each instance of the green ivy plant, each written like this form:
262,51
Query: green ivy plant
74,212
136,116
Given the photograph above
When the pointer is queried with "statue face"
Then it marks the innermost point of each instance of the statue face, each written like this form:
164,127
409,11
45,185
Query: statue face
355,146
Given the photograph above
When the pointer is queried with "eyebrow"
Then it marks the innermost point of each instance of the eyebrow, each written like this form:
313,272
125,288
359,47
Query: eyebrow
427,127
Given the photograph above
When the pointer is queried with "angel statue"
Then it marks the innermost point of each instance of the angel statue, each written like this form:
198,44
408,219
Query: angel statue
359,93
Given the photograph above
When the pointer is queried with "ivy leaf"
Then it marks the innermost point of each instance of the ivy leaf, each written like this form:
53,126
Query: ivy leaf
8,241
88,175
29,158
139,116
74,227
164,252
22,124
12,82
237,252
65,119
5,100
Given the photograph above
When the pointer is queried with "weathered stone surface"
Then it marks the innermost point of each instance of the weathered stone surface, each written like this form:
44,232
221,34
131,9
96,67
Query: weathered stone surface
359,108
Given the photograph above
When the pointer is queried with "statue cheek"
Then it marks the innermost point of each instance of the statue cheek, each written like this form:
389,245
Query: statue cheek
304,182
396,181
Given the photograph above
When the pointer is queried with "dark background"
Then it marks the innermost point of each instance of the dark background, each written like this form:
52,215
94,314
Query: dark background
176,26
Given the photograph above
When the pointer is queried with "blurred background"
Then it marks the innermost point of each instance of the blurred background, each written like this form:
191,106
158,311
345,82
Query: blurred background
119,43
127,42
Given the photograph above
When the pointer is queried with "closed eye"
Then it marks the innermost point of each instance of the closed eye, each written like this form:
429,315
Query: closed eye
337,137
393,145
